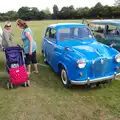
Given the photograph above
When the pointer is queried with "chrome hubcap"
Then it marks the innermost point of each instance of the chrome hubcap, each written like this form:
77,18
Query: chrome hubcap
44,57
64,77
44,54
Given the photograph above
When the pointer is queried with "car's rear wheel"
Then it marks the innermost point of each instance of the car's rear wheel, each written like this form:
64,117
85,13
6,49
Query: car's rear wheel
64,78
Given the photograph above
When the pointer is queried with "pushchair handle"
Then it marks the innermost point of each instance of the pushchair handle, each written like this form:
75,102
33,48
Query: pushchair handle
3,48
21,46
18,45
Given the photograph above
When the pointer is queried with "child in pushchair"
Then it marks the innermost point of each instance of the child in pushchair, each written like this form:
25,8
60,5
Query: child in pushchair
15,65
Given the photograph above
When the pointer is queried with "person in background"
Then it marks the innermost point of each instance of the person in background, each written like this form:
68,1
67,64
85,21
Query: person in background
7,36
1,37
29,45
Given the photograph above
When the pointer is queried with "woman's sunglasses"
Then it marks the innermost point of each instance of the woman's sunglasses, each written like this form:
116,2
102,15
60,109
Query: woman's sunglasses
8,25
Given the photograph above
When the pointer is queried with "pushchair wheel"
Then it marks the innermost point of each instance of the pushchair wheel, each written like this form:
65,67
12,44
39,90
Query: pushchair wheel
25,84
10,85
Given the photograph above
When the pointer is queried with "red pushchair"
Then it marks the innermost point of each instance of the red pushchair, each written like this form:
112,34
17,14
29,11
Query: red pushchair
15,65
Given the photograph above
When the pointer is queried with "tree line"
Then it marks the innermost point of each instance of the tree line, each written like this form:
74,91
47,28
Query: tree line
67,12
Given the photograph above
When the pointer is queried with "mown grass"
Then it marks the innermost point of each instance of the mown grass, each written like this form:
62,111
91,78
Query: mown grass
47,99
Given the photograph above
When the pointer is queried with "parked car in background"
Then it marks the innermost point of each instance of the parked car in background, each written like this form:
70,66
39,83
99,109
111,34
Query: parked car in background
107,32
71,50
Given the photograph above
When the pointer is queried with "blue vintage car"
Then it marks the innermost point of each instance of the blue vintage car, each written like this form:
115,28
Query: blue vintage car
71,50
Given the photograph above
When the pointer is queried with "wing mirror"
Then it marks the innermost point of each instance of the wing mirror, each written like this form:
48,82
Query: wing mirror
113,44
67,48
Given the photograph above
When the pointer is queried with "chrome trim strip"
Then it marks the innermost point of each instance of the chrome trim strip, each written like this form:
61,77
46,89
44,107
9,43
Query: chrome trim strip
88,81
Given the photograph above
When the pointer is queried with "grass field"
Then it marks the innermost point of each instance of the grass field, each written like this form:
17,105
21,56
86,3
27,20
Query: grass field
47,99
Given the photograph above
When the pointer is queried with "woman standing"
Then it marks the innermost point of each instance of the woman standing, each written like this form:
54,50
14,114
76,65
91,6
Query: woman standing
1,37
29,46
7,37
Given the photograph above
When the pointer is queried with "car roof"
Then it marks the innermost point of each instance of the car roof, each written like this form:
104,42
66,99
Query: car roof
106,22
59,25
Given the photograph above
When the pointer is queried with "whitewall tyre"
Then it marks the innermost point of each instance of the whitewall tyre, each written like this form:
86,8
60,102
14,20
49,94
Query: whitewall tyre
64,79
45,60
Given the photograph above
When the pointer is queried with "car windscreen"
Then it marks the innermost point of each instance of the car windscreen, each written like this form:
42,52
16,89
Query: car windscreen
74,33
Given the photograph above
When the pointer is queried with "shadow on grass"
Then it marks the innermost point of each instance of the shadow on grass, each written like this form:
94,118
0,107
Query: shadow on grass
3,81
48,78
3,74
2,65
51,80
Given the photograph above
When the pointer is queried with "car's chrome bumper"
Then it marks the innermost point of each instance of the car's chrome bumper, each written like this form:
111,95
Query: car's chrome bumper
89,81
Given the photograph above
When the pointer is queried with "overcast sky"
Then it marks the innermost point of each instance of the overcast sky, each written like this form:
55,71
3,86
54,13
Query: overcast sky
7,5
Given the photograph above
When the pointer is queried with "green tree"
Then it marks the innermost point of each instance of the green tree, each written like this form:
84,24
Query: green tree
47,13
71,12
55,12
25,13
116,12
64,13
13,15
82,12
41,15
34,13
67,12
107,11
97,11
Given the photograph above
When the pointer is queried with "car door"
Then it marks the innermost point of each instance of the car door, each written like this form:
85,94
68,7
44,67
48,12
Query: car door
50,44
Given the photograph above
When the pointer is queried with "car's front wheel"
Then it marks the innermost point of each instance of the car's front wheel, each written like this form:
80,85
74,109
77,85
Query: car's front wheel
64,78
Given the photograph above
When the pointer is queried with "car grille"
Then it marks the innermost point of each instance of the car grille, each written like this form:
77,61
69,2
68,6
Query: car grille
102,67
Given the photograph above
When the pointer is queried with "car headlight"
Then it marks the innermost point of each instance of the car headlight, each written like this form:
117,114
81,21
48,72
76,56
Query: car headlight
117,58
81,63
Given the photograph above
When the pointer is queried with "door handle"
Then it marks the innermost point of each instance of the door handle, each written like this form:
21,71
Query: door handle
49,42
46,40
55,49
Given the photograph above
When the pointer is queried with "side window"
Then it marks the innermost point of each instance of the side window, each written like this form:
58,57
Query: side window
111,30
99,28
52,34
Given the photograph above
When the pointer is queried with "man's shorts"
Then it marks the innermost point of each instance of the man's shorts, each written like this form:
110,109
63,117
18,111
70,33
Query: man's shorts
30,58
